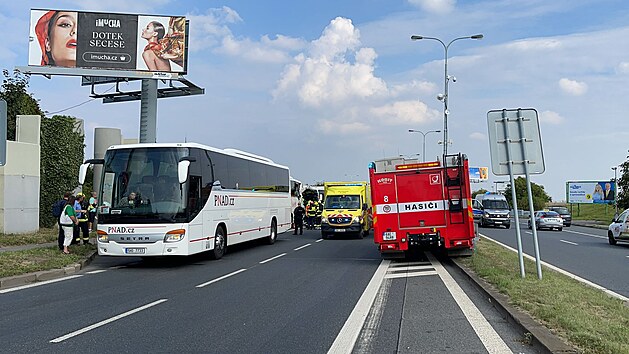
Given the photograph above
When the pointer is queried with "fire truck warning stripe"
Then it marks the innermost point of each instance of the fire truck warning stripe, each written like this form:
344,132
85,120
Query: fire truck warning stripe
412,207
485,332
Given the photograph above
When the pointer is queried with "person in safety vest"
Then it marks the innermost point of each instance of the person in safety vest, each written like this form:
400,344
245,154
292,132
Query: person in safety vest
311,213
319,213
81,233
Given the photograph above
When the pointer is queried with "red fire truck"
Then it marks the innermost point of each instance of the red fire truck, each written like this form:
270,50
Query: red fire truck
419,204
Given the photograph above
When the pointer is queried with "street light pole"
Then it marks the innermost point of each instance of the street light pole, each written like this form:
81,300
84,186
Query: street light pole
446,79
424,139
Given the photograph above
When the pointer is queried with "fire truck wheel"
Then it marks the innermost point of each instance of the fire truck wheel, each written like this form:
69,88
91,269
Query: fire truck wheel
273,233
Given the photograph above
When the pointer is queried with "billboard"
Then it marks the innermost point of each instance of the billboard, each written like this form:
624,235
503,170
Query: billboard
92,40
588,192
479,173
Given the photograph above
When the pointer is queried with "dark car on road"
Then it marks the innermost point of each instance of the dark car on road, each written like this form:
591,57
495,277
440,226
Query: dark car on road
564,213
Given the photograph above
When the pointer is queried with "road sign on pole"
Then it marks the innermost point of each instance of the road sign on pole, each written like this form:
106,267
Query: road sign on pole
515,143
3,132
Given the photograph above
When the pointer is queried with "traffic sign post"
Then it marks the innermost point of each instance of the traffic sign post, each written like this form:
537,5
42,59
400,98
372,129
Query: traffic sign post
515,143
3,132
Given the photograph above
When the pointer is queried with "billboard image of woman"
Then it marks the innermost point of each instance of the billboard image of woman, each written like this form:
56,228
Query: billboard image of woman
56,36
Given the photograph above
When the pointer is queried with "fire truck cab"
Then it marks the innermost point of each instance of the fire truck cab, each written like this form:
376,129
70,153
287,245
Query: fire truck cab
421,204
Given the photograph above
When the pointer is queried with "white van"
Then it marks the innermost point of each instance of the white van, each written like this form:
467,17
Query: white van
495,210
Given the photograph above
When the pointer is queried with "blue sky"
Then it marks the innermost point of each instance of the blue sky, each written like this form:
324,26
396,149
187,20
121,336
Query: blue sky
325,87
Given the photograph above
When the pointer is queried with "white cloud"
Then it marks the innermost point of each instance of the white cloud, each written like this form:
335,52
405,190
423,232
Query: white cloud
572,87
125,6
623,67
535,44
435,6
413,88
253,51
405,113
334,127
551,117
327,74
478,136
209,30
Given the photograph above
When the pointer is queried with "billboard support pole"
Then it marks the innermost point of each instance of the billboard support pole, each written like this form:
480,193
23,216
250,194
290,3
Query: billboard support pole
148,112
513,195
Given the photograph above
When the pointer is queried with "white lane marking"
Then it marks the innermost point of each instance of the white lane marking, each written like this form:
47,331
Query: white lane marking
410,274
529,232
4,291
272,258
96,271
584,234
109,320
319,240
568,242
566,273
302,247
365,341
627,256
485,332
221,278
345,340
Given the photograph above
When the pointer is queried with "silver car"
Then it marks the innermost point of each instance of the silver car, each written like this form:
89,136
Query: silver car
547,220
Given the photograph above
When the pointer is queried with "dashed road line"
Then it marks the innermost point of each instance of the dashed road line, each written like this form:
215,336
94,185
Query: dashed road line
272,258
96,271
302,247
221,278
585,234
109,320
4,291
319,240
568,242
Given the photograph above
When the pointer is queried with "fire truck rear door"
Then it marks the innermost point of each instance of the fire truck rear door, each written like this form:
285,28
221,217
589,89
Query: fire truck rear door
420,199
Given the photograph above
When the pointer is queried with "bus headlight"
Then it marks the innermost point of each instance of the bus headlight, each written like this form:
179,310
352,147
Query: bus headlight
102,236
175,235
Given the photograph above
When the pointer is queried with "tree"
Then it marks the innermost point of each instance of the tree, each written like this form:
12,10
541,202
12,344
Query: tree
19,101
622,187
480,191
540,197
62,153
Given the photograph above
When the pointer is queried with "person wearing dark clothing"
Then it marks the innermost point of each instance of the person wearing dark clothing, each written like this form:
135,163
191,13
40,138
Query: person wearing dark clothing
57,209
298,215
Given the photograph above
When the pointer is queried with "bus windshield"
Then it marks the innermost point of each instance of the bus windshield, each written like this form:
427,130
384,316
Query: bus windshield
141,186
342,202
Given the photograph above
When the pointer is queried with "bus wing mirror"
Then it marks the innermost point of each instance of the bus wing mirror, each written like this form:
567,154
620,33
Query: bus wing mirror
84,167
182,171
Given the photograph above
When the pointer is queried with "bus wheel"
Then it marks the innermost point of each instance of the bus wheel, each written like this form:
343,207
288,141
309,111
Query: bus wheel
220,244
273,235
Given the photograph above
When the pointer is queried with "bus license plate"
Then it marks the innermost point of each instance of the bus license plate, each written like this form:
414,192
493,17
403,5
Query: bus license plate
339,230
388,236
135,250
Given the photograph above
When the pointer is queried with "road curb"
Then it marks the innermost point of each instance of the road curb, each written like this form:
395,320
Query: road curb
541,337
43,275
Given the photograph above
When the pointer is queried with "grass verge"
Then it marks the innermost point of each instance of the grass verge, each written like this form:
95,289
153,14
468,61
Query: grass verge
599,212
41,236
28,261
585,317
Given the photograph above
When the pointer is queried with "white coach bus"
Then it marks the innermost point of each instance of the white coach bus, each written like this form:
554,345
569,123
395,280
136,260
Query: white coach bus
182,199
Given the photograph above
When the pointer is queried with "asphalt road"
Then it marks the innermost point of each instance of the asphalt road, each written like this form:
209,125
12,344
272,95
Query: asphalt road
292,297
582,251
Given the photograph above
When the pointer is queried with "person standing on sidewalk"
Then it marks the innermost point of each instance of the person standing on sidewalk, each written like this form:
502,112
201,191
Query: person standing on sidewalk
91,211
57,210
81,233
68,221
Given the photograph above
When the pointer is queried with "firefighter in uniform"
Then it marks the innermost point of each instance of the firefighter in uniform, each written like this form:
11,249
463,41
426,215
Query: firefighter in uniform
298,218
82,232
311,212
319,213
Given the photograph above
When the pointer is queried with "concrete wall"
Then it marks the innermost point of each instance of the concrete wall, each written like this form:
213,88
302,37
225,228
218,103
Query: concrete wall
103,139
20,179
